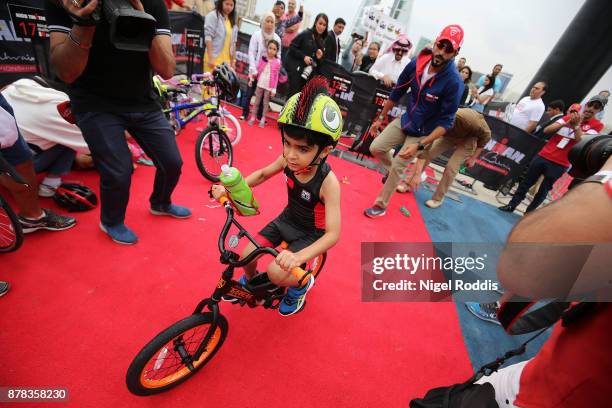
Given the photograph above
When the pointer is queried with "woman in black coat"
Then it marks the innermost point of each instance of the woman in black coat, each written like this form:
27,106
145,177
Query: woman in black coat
307,48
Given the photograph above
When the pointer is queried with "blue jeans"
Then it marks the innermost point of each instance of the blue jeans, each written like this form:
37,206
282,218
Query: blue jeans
539,166
57,160
104,134
246,103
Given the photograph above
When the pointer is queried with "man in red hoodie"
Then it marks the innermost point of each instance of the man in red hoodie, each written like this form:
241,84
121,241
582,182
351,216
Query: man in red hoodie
552,161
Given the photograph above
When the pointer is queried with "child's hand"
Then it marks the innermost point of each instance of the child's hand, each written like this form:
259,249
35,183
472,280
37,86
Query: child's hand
273,94
287,260
218,191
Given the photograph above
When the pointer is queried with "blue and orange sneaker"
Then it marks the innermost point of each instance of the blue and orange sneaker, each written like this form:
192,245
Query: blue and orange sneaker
295,299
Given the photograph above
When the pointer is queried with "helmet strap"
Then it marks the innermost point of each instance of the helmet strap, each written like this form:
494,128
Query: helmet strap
316,161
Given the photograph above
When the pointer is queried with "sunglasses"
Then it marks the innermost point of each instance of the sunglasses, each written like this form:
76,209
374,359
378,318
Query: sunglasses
400,50
447,47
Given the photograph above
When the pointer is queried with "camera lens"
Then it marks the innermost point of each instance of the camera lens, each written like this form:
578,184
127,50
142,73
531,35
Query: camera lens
589,155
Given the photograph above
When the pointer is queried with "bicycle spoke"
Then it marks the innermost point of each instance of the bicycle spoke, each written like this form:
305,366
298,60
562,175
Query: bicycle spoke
168,362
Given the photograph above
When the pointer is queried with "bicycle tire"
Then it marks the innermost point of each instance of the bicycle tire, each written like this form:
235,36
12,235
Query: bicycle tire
157,348
11,234
213,147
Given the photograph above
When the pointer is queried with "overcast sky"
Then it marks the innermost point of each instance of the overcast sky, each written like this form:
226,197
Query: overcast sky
519,34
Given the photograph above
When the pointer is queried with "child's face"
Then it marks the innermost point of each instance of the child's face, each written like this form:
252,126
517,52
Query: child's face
298,153
272,50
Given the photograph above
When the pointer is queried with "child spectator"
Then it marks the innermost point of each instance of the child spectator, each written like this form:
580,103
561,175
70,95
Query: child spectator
268,70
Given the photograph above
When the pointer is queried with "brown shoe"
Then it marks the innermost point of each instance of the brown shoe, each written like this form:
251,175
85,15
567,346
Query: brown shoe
433,203
402,187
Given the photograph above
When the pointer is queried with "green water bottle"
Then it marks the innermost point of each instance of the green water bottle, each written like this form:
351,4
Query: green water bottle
239,191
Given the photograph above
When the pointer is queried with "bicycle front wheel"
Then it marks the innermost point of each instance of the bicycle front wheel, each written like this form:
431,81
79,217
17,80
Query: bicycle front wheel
159,366
213,150
231,127
11,235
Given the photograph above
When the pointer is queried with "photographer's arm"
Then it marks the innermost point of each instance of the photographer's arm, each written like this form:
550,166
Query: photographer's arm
537,270
69,51
67,57
161,56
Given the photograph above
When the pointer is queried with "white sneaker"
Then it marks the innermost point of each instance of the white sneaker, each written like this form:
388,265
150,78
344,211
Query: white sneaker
433,203
45,191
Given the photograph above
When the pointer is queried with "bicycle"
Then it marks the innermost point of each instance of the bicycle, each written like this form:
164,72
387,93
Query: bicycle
180,106
213,145
11,234
178,352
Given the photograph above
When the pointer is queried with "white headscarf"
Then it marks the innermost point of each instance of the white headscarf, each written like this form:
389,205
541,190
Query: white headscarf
267,36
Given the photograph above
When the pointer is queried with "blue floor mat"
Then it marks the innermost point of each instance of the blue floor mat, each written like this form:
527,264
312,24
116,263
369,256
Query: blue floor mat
468,222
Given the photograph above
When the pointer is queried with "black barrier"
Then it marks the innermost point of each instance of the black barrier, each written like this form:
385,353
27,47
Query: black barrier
504,158
361,98
187,41
506,155
24,40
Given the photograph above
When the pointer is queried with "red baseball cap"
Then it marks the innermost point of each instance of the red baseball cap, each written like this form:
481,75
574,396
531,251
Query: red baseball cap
452,33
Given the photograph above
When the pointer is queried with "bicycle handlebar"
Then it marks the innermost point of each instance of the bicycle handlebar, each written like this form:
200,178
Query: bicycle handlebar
299,273
6,168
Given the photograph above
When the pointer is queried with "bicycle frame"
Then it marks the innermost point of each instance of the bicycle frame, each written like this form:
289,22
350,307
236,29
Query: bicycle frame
226,284
210,109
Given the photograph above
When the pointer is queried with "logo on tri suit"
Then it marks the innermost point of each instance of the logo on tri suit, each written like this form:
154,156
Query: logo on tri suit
305,195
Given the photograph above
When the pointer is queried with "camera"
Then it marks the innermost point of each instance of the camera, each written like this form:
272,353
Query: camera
588,156
307,71
129,29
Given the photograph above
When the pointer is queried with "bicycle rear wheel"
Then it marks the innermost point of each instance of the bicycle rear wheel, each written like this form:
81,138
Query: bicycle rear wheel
213,149
159,366
11,235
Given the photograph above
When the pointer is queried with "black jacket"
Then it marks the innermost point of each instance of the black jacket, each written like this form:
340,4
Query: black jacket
303,45
331,47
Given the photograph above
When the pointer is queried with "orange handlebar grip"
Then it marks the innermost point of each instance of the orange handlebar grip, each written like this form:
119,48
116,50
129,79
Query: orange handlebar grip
223,200
299,273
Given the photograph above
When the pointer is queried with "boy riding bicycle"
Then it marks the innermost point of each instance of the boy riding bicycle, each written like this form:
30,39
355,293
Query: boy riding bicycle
310,125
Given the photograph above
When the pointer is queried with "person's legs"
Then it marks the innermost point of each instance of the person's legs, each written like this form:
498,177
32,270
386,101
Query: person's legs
31,216
154,134
19,156
536,168
390,137
461,153
250,91
552,173
56,161
258,96
104,133
381,150
265,106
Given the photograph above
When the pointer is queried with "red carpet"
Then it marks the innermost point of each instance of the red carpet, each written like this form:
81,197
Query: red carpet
81,306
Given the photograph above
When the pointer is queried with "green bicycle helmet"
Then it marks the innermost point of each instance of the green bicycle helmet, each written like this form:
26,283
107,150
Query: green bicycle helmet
313,109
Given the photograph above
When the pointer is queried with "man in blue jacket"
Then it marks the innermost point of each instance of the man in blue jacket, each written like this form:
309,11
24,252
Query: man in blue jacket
435,91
